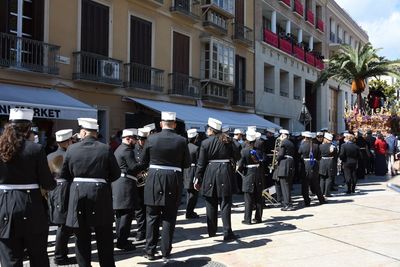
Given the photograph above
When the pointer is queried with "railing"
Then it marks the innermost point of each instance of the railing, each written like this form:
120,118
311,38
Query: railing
298,7
339,40
27,54
310,58
310,17
284,94
243,98
269,90
143,77
216,92
215,20
243,33
97,68
286,2
320,25
285,45
184,85
319,63
298,52
271,38
190,8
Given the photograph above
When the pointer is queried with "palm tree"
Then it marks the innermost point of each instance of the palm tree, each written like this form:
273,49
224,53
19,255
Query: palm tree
355,66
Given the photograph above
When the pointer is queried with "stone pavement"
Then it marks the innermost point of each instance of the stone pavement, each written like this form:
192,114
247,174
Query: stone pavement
357,230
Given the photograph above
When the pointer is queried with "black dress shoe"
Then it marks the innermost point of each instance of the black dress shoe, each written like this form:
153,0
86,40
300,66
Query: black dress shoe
256,221
127,247
192,216
230,237
212,234
150,257
65,261
246,222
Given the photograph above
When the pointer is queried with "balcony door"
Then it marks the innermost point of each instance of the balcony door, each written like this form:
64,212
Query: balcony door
180,64
239,95
140,53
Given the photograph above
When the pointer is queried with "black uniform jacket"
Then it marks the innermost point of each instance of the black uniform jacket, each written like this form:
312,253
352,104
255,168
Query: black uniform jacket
285,159
58,198
166,148
90,203
22,211
327,165
253,177
124,188
190,172
304,152
215,176
349,154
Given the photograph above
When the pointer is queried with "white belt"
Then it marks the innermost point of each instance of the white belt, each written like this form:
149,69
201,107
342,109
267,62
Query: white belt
289,157
253,166
18,186
307,159
90,180
219,161
193,165
61,180
327,157
124,175
363,148
163,167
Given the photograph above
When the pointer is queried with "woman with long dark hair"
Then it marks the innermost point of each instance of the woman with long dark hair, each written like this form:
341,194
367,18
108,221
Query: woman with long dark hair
215,177
23,171
381,148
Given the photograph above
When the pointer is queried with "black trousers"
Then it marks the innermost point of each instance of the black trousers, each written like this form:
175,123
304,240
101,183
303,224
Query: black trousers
62,237
12,250
350,175
311,180
104,241
212,214
286,185
325,183
166,216
123,221
251,199
140,214
191,200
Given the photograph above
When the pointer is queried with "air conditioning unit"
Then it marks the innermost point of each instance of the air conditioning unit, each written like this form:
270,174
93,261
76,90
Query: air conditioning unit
109,69
193,90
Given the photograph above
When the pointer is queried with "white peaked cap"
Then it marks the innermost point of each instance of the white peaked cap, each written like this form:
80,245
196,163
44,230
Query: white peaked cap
271,130
296,134
191,133
252,128
143,132
313,135
63,135
152,126
258,135
307,134
225,128
21,114
328,136
238,131
215,124
283,131
324,129
251,135
168,116
320,134
129,132
88,123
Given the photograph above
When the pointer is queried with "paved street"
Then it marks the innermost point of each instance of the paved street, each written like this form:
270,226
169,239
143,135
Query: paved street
358,230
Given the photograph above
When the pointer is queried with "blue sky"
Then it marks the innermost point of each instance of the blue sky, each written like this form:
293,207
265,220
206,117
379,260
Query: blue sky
381,19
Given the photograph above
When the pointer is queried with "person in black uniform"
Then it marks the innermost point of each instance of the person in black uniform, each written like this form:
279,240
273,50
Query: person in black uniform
362,163
124,188
350,154
167,154
58,199
140,208
23,170
269,147
238,140
189,174
215,177
91,167
327,165
285,170
310,154
371,145
253,180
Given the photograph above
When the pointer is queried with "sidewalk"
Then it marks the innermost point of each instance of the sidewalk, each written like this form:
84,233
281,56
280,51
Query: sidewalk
358,230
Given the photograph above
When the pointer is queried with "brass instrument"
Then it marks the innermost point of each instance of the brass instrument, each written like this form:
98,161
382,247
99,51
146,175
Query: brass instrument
274,163
141,178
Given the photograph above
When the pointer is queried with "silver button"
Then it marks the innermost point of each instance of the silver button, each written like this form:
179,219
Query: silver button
25,218
160,192
77,184
5,218
79,212
222,184
93,212
58,206
169,193
97,184
28,191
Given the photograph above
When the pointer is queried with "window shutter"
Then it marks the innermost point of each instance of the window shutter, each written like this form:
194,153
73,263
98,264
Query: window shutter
38,20
4,16
140,41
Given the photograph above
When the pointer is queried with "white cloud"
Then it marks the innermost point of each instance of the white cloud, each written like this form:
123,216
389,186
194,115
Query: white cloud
381,19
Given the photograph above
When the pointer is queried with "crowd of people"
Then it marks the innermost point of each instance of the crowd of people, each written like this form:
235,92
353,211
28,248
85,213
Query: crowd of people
85,186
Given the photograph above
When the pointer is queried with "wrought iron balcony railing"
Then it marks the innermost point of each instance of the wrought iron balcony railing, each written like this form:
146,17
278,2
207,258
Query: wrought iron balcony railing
243,98
243,34
184,85
188,8
145,77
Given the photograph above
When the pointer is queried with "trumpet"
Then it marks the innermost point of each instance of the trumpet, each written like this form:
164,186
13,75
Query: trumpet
274,163
141,178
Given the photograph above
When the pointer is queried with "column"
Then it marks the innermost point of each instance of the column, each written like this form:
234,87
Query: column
311,43
300,35
288,27
273,21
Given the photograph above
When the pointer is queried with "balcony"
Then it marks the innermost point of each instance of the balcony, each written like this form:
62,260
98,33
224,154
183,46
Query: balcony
269,90
285,45
298,52
242,34
29,55
213,5
310,17
216,92
284,93
298,8
320,25
285,2
243,98
332,37
310,58
96,68
319,63
271,38
189,9
143,77
215,23
184,85
339,40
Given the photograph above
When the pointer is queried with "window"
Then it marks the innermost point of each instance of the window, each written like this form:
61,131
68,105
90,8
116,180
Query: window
228,5
222,63
216,19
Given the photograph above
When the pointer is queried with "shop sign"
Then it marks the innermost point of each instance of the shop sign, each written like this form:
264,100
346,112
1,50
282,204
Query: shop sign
48,113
